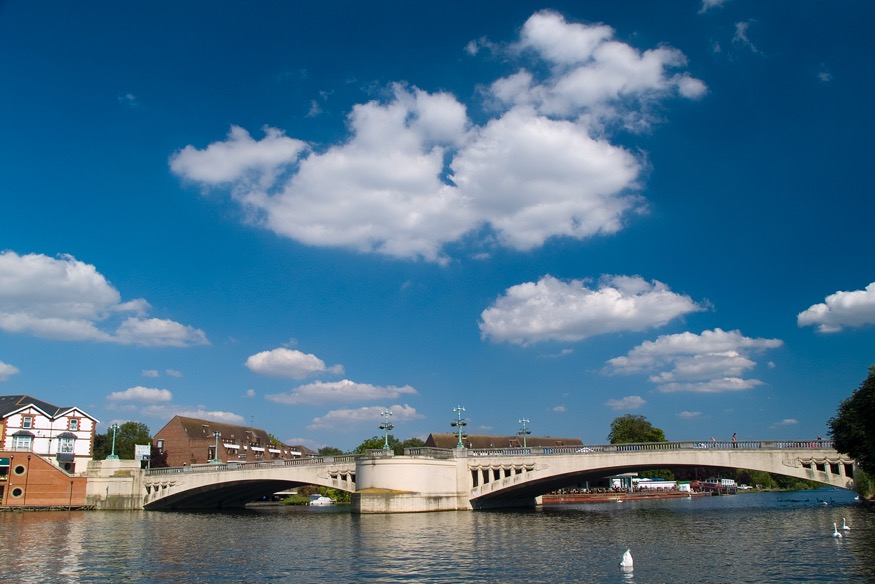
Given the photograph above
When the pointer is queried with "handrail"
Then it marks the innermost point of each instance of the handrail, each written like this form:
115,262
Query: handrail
232,465
446,453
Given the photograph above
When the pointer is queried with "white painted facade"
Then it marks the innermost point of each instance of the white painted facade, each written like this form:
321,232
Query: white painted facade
65,438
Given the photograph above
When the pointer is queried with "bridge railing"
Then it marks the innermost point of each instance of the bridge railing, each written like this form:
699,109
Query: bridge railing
231,466
647,447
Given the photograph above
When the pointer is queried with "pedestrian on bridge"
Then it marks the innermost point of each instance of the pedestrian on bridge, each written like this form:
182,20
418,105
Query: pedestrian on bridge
734,440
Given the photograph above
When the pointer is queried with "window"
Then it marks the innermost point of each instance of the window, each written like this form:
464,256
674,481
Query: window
22,442
65,445
74,424
27,422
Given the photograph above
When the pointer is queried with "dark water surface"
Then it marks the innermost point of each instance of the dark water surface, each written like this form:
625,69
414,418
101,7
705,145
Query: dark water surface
752,537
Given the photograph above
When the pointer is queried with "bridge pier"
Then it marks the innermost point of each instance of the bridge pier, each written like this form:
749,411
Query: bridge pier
409,484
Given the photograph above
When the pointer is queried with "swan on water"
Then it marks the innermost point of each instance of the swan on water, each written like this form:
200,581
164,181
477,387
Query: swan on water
626,562
845,525
835,532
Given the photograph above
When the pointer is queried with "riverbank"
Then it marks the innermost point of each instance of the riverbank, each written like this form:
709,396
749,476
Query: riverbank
555,499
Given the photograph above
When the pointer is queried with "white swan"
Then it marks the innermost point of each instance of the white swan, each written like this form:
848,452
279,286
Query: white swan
626,562
845,525
835,532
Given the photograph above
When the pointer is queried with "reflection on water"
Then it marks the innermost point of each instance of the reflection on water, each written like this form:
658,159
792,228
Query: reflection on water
769,537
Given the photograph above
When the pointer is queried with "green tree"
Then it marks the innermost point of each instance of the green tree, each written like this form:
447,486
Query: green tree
376,443
329,451
412,443
631,428
128,434
853,427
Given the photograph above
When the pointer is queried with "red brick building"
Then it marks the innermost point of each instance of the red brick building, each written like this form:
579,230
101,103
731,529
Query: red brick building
29,480
192,441
486,441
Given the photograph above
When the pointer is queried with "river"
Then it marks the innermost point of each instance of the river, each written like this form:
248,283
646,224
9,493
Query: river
751,537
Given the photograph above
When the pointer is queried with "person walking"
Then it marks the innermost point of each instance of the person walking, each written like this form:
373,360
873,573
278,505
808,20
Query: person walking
734,440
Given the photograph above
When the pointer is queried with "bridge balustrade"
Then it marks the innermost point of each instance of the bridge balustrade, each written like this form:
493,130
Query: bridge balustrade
231,466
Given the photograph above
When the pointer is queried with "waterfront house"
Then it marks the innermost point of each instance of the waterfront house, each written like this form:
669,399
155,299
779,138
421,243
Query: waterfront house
192,441
42,449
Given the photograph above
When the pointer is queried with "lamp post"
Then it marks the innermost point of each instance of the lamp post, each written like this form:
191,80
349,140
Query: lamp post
524,430
216,459
113,455
385,427
459,424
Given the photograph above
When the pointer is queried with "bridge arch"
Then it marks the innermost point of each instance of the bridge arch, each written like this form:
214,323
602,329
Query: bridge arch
496,482
228,486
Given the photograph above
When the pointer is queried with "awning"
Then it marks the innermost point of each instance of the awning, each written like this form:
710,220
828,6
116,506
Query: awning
66,456
232,446
258,448
275,450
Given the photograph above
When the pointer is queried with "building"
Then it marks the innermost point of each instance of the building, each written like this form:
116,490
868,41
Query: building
482,441
43,448
191,441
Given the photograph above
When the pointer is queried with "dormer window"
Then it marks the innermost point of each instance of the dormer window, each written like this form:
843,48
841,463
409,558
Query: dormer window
27,422
74,424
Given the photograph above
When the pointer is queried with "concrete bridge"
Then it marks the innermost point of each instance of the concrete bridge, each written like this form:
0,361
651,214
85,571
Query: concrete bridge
428,479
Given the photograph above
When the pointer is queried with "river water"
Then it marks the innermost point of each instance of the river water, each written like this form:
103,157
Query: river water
751,537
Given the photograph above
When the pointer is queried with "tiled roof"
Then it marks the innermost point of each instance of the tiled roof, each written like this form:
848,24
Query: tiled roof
196,428
11,403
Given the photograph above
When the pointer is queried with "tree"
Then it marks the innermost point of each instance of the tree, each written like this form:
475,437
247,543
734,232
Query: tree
376,443
127,435
329,451
631,428
853,427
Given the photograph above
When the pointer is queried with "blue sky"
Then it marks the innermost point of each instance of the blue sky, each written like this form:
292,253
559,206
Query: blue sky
297,216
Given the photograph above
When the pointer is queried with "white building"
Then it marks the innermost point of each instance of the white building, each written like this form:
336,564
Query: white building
63,435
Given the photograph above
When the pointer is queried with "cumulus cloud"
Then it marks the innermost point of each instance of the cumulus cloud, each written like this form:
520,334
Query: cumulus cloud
560,409
141,394
339,391
631,402
163,411
7,370
347,420
784,423
711,362
150,373
552,309
289,363
841,310
416,173
65,299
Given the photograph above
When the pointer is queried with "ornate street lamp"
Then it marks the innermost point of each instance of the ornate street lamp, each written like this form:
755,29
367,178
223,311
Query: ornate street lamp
385,427
113,455
524,430
216,459
459,424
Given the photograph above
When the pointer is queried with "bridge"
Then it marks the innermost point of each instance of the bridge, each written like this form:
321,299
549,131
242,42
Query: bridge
429,479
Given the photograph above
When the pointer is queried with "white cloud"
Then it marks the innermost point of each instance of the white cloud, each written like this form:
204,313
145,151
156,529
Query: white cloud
150,373
689,415
551,309
250,393
631,402
417,174
7,370
141,394
339,391
291,363
66,299
709,4
173,373
841,310
741,37
348,420
712,362
784,423
560,409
